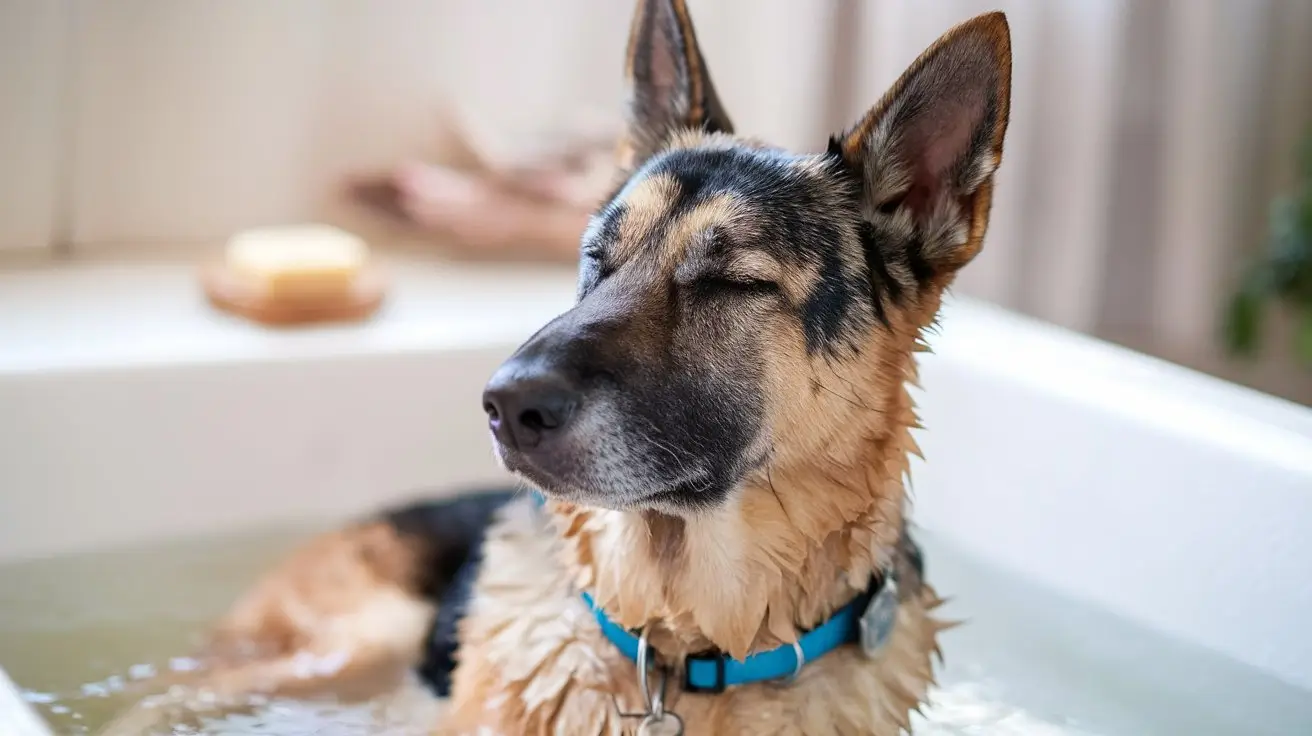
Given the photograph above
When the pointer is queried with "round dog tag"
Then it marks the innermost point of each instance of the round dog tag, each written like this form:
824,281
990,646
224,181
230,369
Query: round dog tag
667,724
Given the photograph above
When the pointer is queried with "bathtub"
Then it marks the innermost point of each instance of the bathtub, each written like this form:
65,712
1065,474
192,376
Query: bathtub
132,412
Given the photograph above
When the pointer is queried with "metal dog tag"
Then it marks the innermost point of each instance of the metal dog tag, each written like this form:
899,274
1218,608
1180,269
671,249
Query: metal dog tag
666,724
878,619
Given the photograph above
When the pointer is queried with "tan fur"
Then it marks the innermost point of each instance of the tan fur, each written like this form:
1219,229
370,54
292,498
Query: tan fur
751,264
340,616
803,540
646,205
346,591
535,662
684,231
799,539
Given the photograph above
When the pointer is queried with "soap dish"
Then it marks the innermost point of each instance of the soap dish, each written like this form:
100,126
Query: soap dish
233,292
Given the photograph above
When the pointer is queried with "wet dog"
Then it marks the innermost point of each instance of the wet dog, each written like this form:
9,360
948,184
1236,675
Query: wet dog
719,430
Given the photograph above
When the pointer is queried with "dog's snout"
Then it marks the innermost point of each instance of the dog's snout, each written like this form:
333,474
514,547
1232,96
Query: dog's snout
524,408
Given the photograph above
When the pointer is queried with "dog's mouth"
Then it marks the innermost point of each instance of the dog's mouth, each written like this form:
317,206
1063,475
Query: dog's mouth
523,465
547,472
607,482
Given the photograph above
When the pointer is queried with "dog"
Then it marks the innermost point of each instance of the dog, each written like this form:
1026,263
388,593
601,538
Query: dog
717,435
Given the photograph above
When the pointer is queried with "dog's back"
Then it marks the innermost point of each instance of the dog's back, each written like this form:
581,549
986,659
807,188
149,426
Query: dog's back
349,615
450,537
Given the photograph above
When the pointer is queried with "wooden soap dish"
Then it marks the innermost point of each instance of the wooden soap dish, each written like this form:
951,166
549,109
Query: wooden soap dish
231,292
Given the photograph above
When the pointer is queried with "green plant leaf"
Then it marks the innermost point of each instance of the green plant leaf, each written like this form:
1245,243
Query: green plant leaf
1303,337
1305,157
1281,270
1243,322
1305,207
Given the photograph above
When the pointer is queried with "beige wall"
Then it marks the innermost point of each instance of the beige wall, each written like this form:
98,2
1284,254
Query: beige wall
33,52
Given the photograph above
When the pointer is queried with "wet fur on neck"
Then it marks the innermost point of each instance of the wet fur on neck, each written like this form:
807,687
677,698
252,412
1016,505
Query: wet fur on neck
801,537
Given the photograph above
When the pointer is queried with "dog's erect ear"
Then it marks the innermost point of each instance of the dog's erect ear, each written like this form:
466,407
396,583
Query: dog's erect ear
668,85
927,152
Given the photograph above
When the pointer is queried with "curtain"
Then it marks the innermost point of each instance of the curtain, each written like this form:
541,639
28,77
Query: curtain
1147,136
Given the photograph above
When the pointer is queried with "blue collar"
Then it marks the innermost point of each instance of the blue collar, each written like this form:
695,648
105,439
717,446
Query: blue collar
868,620
713,672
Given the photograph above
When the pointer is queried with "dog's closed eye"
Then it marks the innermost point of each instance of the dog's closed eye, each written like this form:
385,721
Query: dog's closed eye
745,272
734,279
596,259
729,281
750,267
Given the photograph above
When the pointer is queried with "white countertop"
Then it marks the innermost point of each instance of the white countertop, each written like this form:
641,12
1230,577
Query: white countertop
91,315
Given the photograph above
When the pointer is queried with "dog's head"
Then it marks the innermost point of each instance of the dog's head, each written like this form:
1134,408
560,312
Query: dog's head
729,291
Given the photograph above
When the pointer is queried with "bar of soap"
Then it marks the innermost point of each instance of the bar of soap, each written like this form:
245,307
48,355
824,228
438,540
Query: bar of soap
297,263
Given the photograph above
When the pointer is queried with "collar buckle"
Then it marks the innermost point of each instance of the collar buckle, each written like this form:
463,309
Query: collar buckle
718,682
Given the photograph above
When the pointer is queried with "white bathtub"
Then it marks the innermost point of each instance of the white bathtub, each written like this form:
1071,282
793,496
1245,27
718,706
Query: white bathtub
130,412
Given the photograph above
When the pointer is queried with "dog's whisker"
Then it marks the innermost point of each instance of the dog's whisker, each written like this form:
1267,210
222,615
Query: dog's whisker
680,461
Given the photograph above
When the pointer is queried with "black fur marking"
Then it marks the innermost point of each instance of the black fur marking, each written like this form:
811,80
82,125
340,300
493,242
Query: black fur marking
921,269
710,432
439,660
721,288
693,425
835,147
594,263
840,167
452,533
827,314
609,231
784,203
448,529
885,289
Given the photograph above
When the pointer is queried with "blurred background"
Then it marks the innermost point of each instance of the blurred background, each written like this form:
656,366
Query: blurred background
1150,140
1154,193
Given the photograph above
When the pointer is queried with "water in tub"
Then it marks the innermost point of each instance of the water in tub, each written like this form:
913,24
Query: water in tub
74,631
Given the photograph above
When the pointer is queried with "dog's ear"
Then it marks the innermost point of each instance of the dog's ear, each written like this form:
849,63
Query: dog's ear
668,85
927,152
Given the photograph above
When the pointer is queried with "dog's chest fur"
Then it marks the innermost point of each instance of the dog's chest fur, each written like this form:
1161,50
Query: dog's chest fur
533,660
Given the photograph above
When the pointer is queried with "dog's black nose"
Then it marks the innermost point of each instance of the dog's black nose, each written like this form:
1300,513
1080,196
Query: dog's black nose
525,408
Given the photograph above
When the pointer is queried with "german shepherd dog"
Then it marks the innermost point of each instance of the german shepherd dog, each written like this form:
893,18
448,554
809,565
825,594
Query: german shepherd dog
719,430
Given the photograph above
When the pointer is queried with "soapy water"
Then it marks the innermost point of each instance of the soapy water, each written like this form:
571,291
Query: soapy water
78,633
